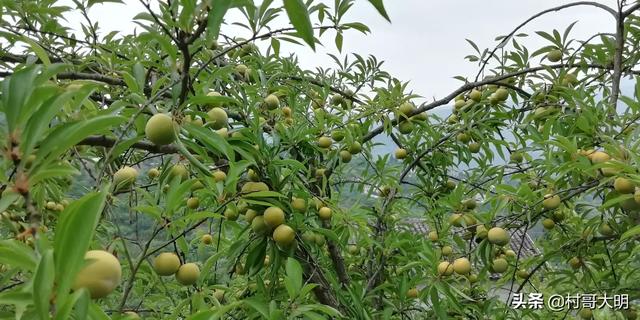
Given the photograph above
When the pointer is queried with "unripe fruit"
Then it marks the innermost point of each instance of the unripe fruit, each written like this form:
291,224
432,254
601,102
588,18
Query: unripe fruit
252,175
463,137
50,205
130,315
501,94
481,231
337,135
548,224
474,147
412,293
355,148
166,264
551,201
336,99
599,157
188,274
284,235
101,274
218,118
180,171
406,108
272,102
324,213
554,55
585,313
286,111
219,176
206,239
473,278
470,203
59,207
320,240
153,173
475,95
498,236
516,157
258,226
445,268
400,153
352,249
499,265
405,127
462,266
450,185
223,132
273,217
193,203
125,177
459,104
575,262
250,215
433,236
447,250
160,129
522,273
510,253
624,186
605,229
219,295
298,204
324,142
231,214
456,220
250,187
345,156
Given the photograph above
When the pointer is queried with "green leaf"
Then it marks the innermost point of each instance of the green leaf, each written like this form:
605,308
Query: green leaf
74,233
17,254
299,16
17,89
92,2
38,50
379,5
635,231
212,100
216,16
43,284
294,273
261,306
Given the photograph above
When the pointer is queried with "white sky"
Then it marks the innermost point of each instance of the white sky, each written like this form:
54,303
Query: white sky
424,43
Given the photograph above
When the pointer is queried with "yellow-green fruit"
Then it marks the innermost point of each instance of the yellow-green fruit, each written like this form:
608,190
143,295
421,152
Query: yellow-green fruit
188,274
498,236
319,239
207,239
575,262
324,213
500,265
125,177
459,104
475,95
501,94
551,201
197,186
624,186
463,137
548,224
473,278
298,204
569,79
456,220
337,135
272,102
254,187
470,203
599,157
193,203
400,153
510,253
50,205
462,266
160,129
345,156
286,111
450,185
59,207
481,231
355,147
474,147
218,118
252,175
554,55
309,237
516,157
258,226
406,109
284,235
273,217
130,315
353,249
219,176
405,127
585,313
166,264
100,275
324,142
231,214
412,293
153,173
447,250
250,215
320,172
522,273
445,268
605,229
219,294
180,171
433,236
223,132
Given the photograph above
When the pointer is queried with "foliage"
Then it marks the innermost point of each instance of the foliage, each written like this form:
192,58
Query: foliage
537,135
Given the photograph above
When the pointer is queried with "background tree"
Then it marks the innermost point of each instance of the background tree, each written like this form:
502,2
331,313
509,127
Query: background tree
200,175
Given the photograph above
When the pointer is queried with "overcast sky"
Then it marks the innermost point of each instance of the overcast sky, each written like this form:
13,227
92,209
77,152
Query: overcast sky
424,43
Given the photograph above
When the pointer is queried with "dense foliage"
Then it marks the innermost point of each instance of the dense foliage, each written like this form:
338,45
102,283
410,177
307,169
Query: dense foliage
185,172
